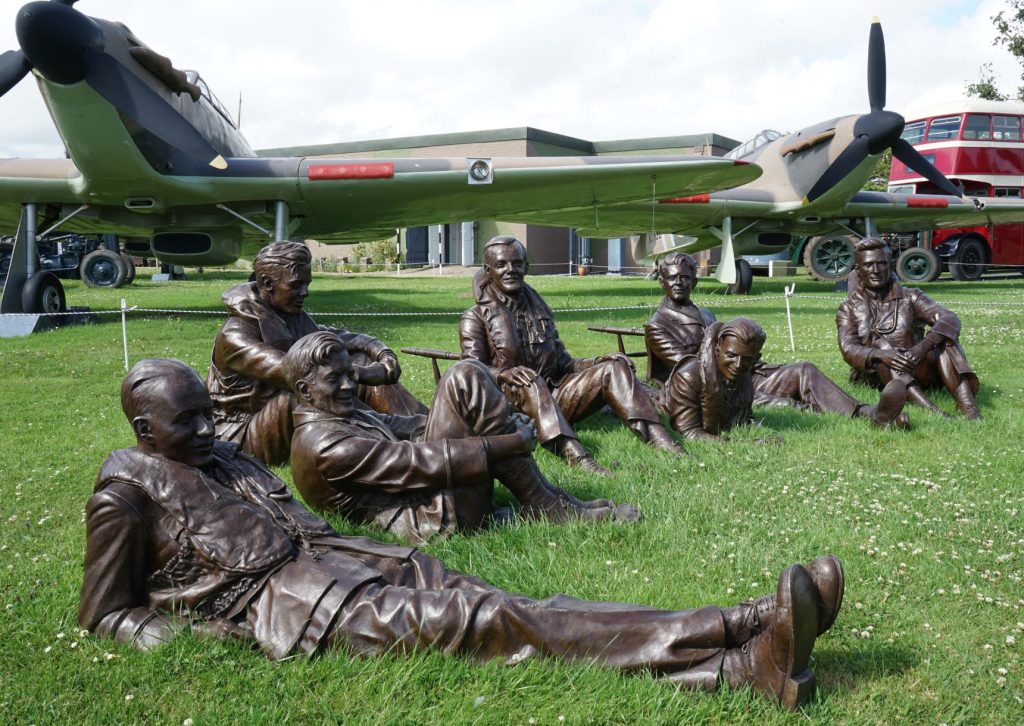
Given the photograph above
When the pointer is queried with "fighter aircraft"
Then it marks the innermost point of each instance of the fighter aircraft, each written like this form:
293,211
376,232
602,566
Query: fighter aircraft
811,184
154,157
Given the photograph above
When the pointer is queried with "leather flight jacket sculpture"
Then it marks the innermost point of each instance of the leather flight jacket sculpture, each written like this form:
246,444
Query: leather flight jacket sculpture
185,531
417,476
881,334
512,331
675,333
252,402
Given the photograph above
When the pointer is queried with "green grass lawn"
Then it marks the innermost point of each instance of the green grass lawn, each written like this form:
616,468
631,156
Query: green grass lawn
929,525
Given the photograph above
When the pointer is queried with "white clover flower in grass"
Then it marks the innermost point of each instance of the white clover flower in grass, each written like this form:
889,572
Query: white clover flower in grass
129,697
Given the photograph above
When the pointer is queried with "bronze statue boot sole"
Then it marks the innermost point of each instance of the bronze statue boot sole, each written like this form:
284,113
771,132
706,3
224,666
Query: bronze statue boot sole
775,662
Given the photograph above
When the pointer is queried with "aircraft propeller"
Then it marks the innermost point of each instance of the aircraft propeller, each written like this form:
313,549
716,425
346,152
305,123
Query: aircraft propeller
879,130
67,47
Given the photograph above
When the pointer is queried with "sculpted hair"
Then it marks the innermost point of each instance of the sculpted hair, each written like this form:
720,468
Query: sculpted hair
871,243
745,330
141,386
502,241
308,354
678,259
281,256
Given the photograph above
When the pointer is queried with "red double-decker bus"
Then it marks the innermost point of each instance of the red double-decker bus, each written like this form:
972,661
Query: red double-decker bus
979,146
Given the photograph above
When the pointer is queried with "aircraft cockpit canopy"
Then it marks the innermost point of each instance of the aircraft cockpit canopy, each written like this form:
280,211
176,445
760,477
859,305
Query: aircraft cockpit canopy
195,78
744,150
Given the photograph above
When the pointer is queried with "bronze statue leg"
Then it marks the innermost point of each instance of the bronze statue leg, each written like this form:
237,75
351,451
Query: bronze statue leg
393,398
610,382
805,383
492,623
958,379
467,403
537,402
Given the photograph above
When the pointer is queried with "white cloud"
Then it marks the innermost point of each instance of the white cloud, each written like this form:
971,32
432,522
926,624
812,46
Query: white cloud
321,71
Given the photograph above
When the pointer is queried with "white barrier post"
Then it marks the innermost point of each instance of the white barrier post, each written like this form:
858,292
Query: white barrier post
789,316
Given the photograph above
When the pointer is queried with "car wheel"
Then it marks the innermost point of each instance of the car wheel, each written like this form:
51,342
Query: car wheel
129,267
969,263
829,258
103,268
918,264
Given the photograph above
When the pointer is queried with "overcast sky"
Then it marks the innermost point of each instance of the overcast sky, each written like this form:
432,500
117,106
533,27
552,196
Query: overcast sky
321,71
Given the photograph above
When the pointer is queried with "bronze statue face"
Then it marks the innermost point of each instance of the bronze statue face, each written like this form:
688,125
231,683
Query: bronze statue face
331,387
735,358
506,266
179,424
875,269
677,281
286,288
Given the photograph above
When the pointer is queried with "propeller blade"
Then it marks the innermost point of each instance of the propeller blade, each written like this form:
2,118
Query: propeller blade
846,162
68,3
876,66
910,156
133,98
13,67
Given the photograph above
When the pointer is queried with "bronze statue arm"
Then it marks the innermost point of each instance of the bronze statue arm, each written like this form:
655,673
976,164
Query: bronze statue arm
665,346
859,356
385,369
240,349
113,601
400,466
685,408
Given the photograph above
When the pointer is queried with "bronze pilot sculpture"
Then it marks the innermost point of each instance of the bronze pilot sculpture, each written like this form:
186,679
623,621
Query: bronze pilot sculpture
512,331
676,330
881,334
186,531
252,402
417,476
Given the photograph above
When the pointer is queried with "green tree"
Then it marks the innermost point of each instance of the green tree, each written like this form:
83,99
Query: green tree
879,180
1009,26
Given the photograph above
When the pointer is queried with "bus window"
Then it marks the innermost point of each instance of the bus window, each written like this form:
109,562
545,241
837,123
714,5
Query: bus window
902,189
1007,192
1007,128
977,126
914,133
947,127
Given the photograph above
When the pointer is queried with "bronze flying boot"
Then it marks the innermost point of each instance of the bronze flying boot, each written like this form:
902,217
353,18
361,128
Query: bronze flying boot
748,619
775,661
574,454
889,411
657,436
965,402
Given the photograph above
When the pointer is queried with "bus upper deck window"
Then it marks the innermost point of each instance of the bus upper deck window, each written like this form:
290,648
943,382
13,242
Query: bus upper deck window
978,126
946,127
913,132
1006,128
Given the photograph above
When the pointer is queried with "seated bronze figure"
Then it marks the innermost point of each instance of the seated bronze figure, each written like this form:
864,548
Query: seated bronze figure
881,334
185,531
417,476
676,330
512,331
252,402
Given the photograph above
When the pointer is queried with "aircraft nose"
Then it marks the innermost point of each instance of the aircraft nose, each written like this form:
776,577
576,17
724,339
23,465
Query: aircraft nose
54,38
882,128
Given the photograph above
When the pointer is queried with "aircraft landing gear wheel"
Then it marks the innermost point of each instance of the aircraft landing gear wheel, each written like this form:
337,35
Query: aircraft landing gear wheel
43,293
969,264
103,268
744,278
829,258
918,264
129,266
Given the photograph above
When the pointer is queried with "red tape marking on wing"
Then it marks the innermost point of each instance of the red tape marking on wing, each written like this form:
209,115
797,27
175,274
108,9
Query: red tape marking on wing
925,202
695,199
382,170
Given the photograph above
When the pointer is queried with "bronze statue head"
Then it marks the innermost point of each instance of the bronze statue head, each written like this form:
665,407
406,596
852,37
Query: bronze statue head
319,371
874,264
170,411
283,273
677,273
739,347
505,264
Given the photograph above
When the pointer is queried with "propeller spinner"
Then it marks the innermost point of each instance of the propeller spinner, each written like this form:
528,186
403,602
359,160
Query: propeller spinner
67,47
877,131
